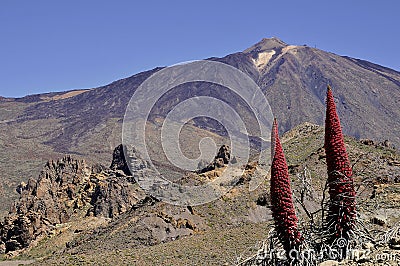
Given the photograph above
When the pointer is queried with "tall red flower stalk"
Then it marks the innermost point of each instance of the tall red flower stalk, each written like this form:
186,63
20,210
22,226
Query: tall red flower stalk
282,205
342,205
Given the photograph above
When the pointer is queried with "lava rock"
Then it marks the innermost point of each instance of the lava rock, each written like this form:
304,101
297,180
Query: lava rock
118,161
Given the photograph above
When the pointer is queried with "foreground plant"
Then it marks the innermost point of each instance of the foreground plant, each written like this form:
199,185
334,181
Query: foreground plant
341,216
282,206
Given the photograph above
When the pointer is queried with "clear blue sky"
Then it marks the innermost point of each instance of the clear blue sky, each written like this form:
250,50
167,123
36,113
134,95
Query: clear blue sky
48,45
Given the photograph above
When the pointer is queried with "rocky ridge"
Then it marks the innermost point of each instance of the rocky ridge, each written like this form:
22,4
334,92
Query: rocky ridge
67,189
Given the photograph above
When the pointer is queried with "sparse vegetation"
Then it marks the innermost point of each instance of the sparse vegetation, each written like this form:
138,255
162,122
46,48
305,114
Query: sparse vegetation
239,225
337,233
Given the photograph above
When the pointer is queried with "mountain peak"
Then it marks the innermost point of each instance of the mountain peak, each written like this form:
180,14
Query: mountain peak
266,44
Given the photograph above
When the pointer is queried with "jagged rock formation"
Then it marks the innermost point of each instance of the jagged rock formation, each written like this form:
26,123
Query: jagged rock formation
119,162
69,190
223,157
113,196
46,202
65,189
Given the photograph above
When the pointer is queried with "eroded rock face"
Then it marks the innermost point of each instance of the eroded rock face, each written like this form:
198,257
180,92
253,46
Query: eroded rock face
63,191
45,202
114,196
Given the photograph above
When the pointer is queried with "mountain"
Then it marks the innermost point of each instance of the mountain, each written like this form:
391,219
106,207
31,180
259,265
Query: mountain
87,123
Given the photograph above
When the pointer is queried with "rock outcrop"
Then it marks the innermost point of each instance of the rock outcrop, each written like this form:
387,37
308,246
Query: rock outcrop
224,153
68,189
45,202
149,222
119,162
223,157
114,196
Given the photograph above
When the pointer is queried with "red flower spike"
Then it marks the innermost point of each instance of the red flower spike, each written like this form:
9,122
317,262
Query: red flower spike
342,207
282,206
